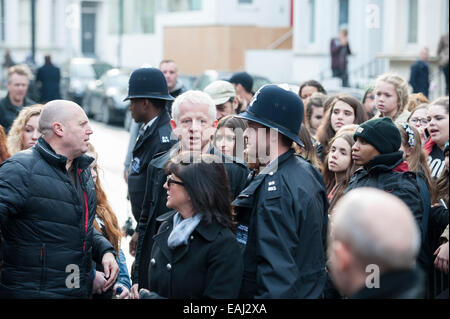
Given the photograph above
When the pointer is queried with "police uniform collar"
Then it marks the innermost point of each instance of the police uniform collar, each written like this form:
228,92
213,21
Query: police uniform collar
273,166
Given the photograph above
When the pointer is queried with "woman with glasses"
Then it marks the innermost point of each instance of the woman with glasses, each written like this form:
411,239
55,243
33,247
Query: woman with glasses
418,119
195,253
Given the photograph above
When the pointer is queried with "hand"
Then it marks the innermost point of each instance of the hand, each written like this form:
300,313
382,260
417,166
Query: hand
133,244
111,270
135,291
99,283
125,292
441,261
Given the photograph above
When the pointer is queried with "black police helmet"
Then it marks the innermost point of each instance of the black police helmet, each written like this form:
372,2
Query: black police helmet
148,83
275,107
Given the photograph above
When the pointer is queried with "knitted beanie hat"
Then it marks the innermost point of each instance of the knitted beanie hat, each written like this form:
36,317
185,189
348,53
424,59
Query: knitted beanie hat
381,133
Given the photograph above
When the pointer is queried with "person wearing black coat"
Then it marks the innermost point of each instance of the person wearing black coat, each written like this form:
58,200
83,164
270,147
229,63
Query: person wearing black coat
148,93
420,74
195,253
377,150
155,198
47,209
48,76
282,214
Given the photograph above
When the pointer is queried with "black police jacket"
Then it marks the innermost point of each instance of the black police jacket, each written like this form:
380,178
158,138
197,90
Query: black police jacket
209,266
156,139
379,173
47,227
282,227
155,204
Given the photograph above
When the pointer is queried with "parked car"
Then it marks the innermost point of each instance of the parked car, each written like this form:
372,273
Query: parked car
76,75
212,75
104,97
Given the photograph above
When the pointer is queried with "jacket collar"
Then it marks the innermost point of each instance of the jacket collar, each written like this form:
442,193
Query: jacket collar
161,119
207,231
384,162
59,160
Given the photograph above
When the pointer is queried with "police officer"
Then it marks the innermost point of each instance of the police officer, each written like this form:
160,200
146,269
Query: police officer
148,93
282,214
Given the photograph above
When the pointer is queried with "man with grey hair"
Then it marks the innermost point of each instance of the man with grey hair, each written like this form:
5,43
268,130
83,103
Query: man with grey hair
47,209
193,123
373,245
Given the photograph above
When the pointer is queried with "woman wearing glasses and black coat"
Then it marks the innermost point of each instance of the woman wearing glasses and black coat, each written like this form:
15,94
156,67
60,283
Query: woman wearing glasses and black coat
195,253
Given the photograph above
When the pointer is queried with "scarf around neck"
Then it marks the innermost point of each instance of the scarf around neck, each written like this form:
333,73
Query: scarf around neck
182,229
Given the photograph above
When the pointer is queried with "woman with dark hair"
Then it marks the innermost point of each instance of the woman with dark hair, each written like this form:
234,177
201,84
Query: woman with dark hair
368,101
229,136
307,88
343,110
195,253
314,112
338,166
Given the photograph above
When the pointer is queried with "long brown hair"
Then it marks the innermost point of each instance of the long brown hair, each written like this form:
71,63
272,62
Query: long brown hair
308,152
417,161
329,177
105,213
325,132
4,154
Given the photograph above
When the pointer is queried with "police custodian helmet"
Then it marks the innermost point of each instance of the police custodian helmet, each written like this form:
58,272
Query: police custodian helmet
148,83
275,107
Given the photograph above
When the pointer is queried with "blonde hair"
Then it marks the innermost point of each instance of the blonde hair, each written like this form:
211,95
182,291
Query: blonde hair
416,99
15,135
20,69
401,88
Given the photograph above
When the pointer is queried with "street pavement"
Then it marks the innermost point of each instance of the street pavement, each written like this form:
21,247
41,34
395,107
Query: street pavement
111,144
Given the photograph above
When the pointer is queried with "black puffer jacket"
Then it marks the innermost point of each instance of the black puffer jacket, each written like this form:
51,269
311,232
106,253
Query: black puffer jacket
379,173
47,226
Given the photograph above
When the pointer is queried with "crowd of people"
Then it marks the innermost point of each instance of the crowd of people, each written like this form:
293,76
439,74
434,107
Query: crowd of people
236,194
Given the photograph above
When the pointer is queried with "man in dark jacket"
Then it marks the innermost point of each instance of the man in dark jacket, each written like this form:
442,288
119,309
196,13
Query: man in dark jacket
48,76
282,214
15,100
47,208
420,74
373,246
148,94
377,150
193,122
340,50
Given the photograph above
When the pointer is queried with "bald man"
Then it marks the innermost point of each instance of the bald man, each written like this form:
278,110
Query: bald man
373,246
47,208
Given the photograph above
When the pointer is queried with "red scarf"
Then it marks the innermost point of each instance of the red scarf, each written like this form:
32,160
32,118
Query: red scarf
402,167
429,146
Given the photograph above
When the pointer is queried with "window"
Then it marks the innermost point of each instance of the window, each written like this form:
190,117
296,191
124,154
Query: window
24,23
2,20
138,16
412,21
312,21
179,5
343,13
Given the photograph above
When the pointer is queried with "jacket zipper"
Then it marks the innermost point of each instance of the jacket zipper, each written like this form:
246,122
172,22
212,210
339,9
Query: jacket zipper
86,212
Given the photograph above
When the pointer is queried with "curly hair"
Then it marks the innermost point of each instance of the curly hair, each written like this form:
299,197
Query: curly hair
15,135
4,154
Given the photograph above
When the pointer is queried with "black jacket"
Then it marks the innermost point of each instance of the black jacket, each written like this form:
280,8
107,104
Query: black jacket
282,226
209,266
155,205
401,284
420,77
49,77
9,112
156,139
379,173
47,226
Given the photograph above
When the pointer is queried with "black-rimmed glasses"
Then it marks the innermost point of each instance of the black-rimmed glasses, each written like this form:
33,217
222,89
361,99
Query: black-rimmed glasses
172,181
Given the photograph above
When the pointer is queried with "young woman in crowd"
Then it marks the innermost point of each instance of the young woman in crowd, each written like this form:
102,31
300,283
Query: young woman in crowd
338,166
107,224
416,99
437,127
24,131
195,254
229,136
391,97
418,119
368,102
314,112
310,151
343,110
307,88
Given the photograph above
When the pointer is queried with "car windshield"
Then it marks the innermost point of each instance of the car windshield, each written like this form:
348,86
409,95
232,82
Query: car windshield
100,69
